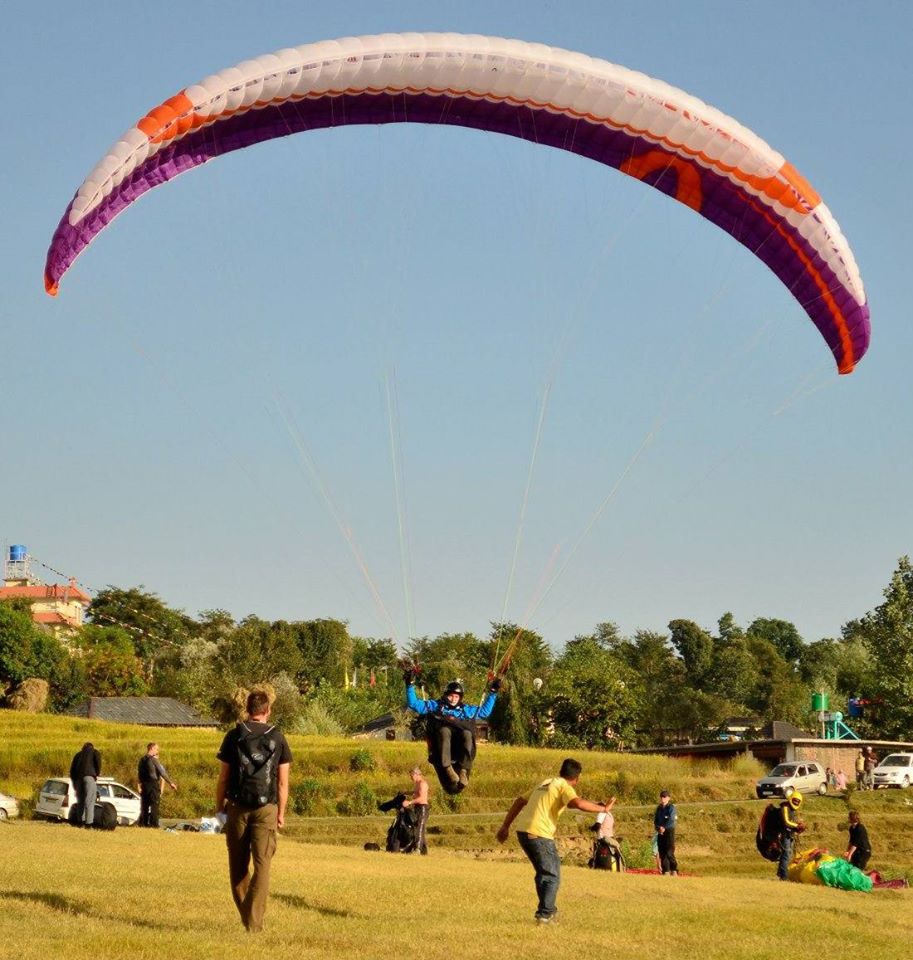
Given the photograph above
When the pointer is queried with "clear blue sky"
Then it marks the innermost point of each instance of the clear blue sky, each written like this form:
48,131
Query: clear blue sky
144,440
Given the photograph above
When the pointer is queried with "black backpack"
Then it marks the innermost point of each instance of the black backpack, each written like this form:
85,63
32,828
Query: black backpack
257,756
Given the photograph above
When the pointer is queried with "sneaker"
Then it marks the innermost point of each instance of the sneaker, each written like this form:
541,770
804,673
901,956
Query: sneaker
547,921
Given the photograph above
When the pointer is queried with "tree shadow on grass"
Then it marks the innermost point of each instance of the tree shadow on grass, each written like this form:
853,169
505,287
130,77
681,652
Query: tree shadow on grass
53,900
61,904
299,903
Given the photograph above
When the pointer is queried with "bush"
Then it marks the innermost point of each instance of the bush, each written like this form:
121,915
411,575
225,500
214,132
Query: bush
640,857
316,720
307,796
362,760
360,802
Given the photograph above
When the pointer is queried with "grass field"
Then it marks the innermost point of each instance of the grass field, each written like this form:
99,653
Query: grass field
717,812
144,894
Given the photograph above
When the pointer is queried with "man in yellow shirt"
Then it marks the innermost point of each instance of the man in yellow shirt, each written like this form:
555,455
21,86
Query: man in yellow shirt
536,820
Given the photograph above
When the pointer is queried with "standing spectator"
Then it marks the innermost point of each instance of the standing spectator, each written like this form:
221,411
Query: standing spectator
831,778
536,820
419,805
870,761
150,774
859,849
252,792
84,773
664,820
840,780
860,769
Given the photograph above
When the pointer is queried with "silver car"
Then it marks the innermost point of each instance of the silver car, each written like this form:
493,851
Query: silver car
896,770
9,807
57,798
806,776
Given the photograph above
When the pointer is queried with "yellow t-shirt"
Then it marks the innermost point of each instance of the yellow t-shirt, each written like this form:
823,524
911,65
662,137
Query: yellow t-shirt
544,806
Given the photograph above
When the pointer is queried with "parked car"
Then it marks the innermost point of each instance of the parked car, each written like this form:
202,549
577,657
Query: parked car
9,807
58,796
896,770
805,776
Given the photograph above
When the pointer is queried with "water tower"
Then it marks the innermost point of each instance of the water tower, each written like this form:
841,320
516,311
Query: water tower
832,725
18,569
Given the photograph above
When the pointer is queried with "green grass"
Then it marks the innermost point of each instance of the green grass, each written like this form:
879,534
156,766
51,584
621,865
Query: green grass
718,814
143,894
33,747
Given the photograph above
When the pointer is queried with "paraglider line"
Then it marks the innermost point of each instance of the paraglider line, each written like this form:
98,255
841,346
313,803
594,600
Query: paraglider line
335,511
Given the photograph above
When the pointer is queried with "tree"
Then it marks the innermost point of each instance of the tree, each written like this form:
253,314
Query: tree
515,717
157,630
887,633
782,634
28,651
591,696
110,663
694,646
325,648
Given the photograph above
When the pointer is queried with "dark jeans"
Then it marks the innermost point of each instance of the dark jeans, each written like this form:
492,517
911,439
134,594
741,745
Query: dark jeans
150,797
665,843
463,746
786,854
543,855
421,820
251,839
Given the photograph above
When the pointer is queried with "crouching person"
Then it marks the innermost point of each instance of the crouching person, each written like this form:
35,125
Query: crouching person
536,820
252,793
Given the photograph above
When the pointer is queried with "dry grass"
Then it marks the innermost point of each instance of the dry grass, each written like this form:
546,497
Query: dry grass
144,894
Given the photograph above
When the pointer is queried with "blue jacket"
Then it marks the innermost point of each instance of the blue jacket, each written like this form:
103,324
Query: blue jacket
665,816
460,712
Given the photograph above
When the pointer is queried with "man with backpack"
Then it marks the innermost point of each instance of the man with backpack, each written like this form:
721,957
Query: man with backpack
150,774
252,793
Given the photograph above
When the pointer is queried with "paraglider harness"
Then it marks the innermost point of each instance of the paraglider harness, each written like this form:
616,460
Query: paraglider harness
401,836
437,720
433,722
770,831
607,855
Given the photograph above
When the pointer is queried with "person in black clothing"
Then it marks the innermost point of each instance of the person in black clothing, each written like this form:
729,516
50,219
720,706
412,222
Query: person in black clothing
150,774
85,770
790,825
664,820
252,793
859,849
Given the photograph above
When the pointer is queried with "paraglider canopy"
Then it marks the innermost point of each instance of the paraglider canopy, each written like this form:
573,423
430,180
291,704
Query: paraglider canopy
643,127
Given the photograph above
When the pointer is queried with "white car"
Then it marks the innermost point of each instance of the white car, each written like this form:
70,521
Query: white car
806,776
9,807
57,798
896,770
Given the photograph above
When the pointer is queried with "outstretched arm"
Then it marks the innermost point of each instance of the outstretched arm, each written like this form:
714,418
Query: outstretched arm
483,711
588,806
421,707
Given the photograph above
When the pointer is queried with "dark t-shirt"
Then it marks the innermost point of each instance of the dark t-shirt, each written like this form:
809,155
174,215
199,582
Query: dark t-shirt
86,763
228,753
859,838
